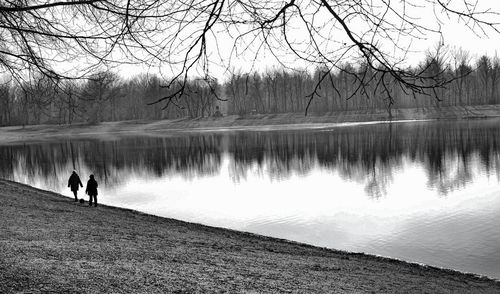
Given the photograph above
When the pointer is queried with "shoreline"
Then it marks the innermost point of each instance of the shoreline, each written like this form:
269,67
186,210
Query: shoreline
257,122
53,244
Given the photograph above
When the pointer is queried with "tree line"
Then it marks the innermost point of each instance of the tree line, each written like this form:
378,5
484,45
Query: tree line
104,97
462,81
108,97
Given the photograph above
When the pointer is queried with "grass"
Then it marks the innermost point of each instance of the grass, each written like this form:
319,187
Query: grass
51,244
109,130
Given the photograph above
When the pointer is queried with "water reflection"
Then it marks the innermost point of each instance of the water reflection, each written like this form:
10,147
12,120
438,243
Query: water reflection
369,155
424,192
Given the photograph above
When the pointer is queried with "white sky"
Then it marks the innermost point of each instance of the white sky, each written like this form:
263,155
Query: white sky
455,34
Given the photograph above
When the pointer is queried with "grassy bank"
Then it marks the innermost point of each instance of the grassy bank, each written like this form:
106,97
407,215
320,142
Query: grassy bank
50,243
258,121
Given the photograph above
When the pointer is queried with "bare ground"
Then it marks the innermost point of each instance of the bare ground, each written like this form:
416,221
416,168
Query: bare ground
108,130
50,244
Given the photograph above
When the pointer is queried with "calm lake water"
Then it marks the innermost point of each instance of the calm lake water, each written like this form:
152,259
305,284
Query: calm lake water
426,192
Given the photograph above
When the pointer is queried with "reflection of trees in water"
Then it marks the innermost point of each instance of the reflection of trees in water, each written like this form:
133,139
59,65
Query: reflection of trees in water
450,152
372,154
189,156
355,153
455,153
111,161
277,154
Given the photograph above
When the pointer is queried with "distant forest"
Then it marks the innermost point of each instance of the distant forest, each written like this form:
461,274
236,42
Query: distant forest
108,97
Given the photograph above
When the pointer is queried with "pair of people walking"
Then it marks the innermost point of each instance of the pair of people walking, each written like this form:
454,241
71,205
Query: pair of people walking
74,183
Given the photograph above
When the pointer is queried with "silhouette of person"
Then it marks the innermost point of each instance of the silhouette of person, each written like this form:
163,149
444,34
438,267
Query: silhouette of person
74,182
91,190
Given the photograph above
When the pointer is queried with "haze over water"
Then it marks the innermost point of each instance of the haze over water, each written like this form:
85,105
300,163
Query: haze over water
425,192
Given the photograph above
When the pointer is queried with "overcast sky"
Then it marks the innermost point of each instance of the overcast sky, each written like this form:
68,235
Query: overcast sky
454,34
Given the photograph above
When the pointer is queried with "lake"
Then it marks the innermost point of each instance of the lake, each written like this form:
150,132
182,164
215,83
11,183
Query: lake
426,192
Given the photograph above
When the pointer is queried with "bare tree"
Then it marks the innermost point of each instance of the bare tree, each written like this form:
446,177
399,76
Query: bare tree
5,113
100,94
494,76
184,38
484,72
461,64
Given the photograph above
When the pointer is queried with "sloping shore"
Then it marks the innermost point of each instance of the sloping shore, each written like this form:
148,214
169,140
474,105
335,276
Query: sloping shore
50,243
282,121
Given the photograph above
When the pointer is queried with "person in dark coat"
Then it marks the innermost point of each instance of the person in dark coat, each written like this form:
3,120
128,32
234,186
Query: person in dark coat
91,190
73,183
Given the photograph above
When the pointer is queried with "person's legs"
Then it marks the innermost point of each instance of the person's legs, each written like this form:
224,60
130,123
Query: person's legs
74,193
95,200
90,200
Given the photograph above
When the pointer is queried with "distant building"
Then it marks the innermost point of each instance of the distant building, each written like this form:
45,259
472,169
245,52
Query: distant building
217,112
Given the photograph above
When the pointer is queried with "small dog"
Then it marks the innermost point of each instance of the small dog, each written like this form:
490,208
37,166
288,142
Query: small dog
82,201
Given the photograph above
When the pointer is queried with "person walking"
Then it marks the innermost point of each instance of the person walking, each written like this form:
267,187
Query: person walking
91,190
73,183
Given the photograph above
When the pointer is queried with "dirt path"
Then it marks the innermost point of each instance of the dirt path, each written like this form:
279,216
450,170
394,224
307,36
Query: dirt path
49,243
